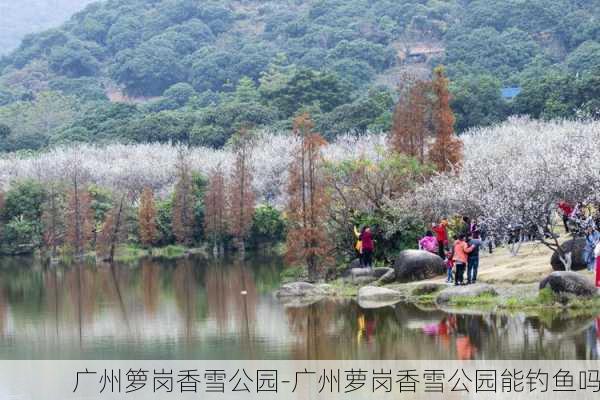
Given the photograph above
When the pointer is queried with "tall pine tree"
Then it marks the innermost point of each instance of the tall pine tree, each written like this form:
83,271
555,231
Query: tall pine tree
53,219
241,192
410,124
446,152
147,218
183,217
215,208
307,209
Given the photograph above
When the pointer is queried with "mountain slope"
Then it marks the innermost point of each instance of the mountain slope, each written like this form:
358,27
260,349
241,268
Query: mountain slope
184,60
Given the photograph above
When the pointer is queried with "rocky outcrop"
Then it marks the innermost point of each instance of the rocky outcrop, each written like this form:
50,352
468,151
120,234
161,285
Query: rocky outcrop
302,294
567,282
388,275
377,297
455,292
412,265
300,289
575,247
427,288
362,276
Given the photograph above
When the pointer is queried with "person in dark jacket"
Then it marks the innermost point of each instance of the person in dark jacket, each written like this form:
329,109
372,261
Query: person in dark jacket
473,258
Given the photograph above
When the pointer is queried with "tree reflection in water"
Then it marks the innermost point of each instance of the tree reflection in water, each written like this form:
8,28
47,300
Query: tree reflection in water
196,308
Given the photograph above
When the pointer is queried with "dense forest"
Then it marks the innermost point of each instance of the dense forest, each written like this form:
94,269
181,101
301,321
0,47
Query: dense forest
195,71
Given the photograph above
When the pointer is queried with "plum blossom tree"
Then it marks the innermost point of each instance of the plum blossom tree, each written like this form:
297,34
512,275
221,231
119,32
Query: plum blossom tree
515,174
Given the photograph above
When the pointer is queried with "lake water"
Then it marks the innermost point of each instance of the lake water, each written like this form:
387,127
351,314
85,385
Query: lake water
195,309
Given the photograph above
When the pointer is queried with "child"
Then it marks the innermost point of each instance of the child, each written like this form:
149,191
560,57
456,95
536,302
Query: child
449,265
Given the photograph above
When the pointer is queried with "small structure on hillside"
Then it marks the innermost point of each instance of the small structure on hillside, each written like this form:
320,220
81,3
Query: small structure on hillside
422,53
509,93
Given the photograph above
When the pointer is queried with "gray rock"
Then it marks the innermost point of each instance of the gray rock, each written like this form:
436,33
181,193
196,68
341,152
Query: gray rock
363,280
300,289
379,272
377,297
454,292
575,247
356,272
427,288
567,282
388,277
355,264
412,265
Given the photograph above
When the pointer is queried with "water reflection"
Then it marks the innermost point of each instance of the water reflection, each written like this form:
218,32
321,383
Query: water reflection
192,308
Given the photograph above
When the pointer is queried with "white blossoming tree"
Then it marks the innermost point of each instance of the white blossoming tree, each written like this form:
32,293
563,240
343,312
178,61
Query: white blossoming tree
515,174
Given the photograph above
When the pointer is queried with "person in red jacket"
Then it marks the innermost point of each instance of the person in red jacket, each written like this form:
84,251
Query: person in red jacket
566,210
441,234
366,237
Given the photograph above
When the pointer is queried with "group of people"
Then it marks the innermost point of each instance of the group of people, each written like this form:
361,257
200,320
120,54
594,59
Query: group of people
462,256
580,215
586,218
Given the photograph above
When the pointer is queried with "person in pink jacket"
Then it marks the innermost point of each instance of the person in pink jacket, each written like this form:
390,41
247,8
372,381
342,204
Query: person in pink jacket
429,243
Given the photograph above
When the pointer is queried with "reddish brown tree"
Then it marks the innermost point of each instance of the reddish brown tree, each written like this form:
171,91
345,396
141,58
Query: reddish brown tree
113,231
241,192
307,209
53,219
79,217
147,218
2,204
184,200
410,124
215,224
446,152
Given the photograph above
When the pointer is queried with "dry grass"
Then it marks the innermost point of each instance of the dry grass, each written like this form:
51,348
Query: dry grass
530,265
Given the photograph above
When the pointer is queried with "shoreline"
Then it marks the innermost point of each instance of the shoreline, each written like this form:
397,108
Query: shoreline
514,278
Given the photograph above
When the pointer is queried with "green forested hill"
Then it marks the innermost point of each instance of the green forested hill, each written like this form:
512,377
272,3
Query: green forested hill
163,70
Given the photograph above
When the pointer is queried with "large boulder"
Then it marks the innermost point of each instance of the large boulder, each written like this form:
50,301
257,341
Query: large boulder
300,289
575,247
368,275
455,292
412,265
377,297
567,282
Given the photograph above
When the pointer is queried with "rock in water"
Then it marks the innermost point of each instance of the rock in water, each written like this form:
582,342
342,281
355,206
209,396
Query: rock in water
300,289
454,292
570,283
412,265
377,297
575,247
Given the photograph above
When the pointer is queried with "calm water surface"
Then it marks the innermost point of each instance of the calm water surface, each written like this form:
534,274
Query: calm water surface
194,309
